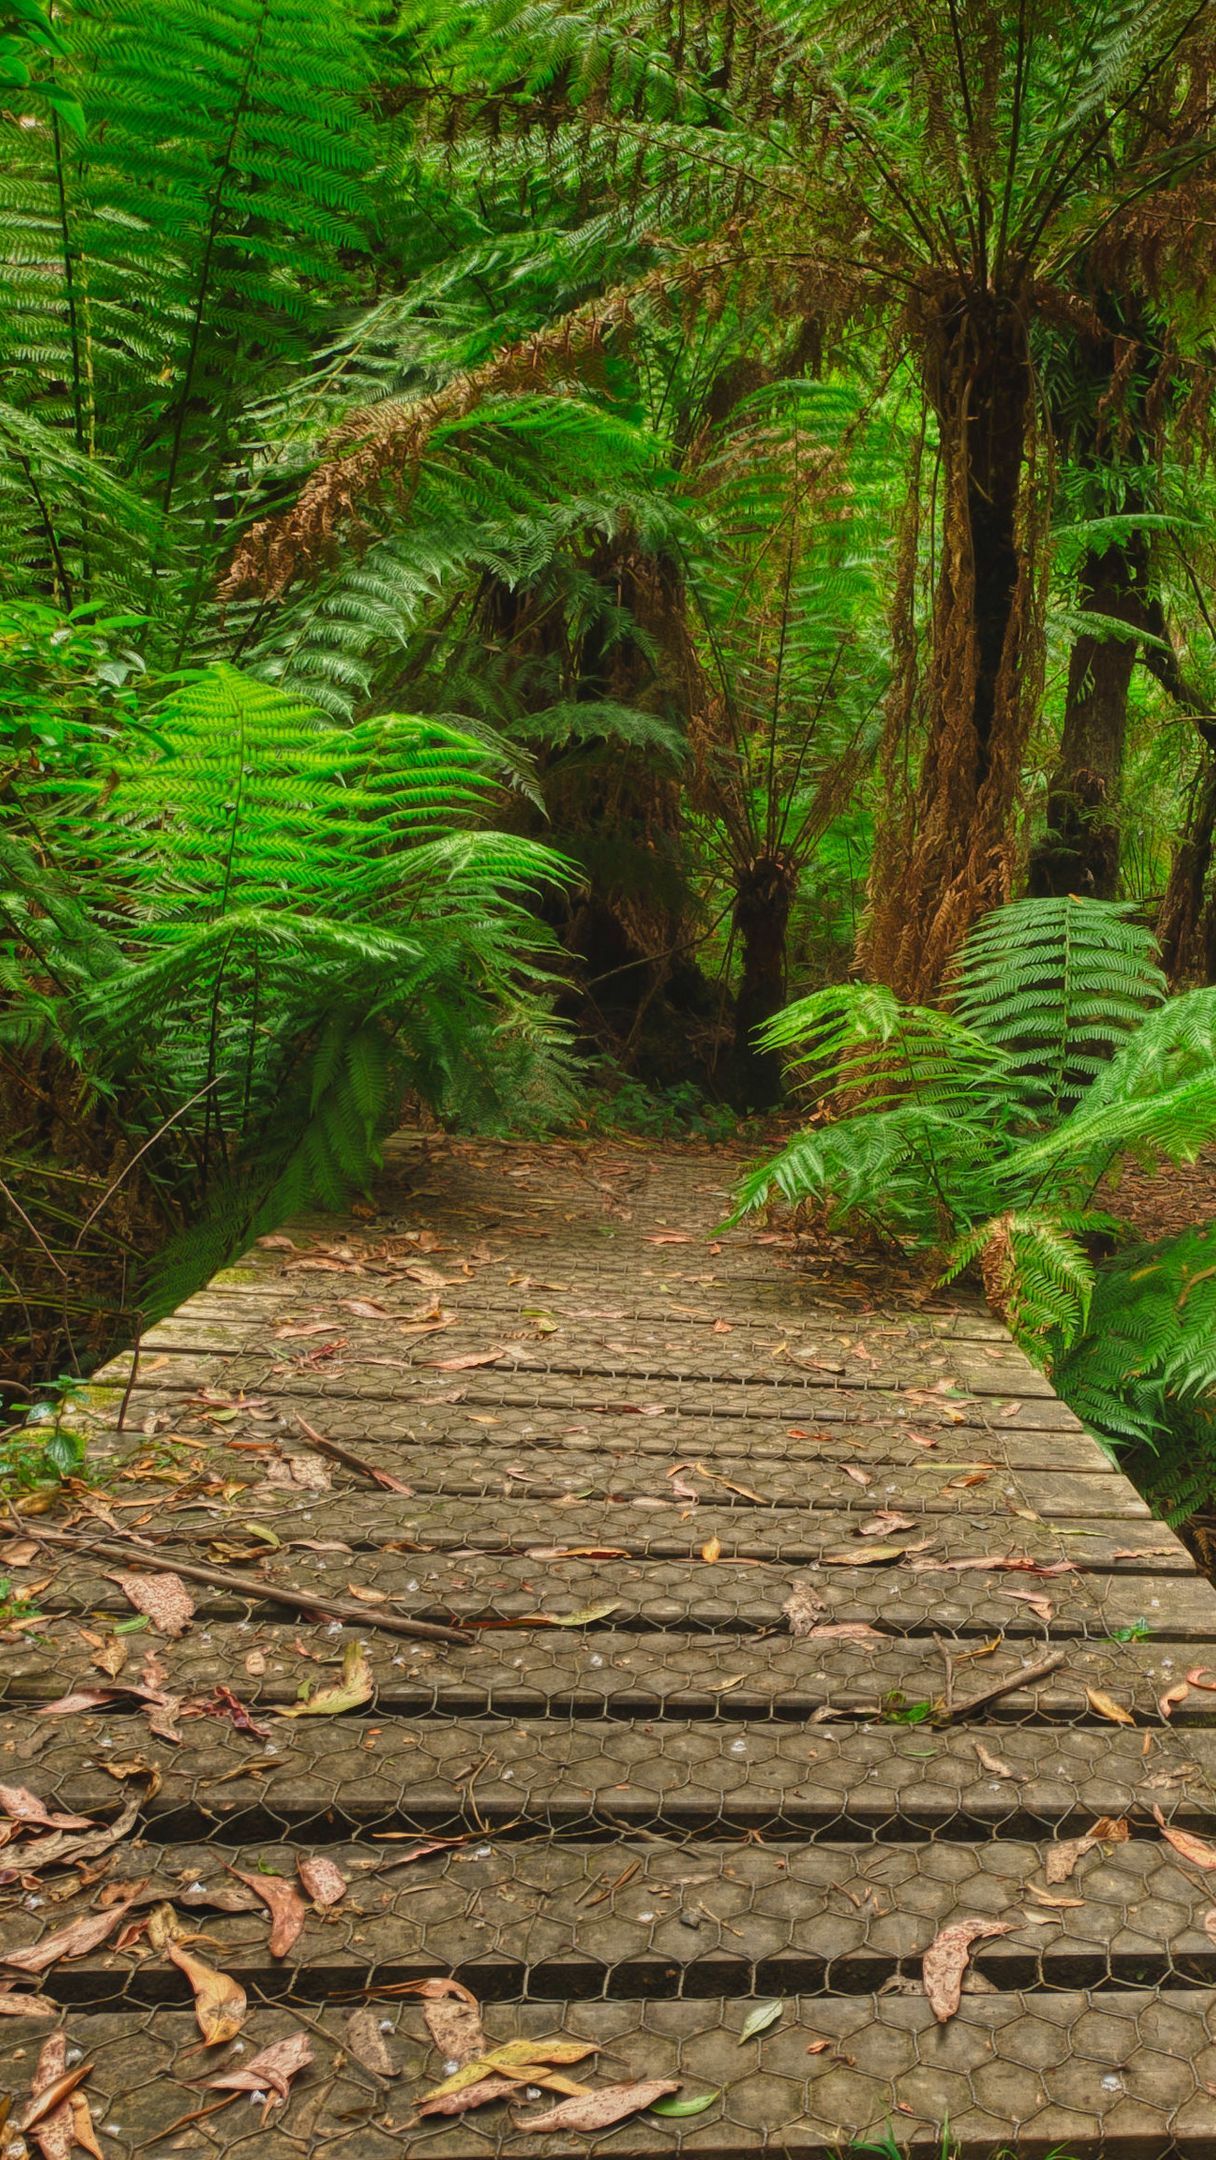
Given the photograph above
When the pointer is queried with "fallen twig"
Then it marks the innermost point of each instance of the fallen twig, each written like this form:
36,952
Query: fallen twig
260,1593
947,1715
344,1455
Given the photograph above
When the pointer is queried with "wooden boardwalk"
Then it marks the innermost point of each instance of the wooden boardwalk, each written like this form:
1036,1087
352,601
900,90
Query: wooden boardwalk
793,1537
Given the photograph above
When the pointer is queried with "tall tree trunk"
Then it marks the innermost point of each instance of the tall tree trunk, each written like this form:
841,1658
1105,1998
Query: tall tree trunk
1186,926
1079,852
944,849
763,902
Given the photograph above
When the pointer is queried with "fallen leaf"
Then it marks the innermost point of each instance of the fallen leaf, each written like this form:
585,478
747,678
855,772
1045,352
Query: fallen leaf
584,1617
995,1763
288,1911
1111,1830
270,2071
367,1597
471,2096
945,1962
610,2104
30,2005
466,1363
364,1308
220,2002
25,1807
1168,1703
357,1685
455,2028
846,1631
366,2042
111,1657
1201,1676
164,1598
864,1556
526,2062
73,1941
323,1880
669,1237
1194,1849
1108,1708
1040,1606
802,1608
1061,1858
712,1549
759,2019
1044,1897
859,1477
885,1521
48,2114
695,2105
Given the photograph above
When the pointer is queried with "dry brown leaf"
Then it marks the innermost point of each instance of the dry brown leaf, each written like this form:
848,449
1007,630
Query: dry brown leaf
30,2005
466,1363
83,2130
596,2110
219,2001
1044,1897
859,1477
470,2096
802,1608
885,1522
1040,1606
998,1766
945,1962
864,1556
366,2042
288,1911
1201,1676
73,1941
25,1807
1194,1849
1168,1703
164,1598
367,1597
47,2117
323,1880
1111,1829
364,1308
1061,1858
1108,1708
712,1549
858,1631
271,2071
455,2028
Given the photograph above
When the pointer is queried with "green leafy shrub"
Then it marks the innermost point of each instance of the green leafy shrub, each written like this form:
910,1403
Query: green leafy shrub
985,1134
254,935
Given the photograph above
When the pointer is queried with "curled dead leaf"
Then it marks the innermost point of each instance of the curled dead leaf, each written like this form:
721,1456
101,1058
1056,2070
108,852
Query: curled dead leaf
945,1962
802,1608
357,1685
271,2071
1108,1708
220,2002
597,2110
288,1911
1194,1849
164,1598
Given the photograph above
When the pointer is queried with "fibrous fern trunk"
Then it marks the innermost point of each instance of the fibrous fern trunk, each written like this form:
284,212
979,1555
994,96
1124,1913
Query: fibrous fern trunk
1079,852
1186,927
761,921
943,853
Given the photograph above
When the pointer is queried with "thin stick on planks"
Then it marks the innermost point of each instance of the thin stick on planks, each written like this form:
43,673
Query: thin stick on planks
259,1593
1024,1678
352,1461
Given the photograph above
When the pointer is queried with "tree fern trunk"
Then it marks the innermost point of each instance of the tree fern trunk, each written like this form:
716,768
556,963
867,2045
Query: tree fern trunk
761,916
1186,927
944,848
1079,853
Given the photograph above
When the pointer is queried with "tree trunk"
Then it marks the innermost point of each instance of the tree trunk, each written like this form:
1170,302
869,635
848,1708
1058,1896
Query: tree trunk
944,850
1186,926
1079,853
761,918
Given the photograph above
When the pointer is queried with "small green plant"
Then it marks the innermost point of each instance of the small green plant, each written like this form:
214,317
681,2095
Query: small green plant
680,1112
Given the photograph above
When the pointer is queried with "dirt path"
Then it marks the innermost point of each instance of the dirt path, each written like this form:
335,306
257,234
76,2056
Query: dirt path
741,1565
